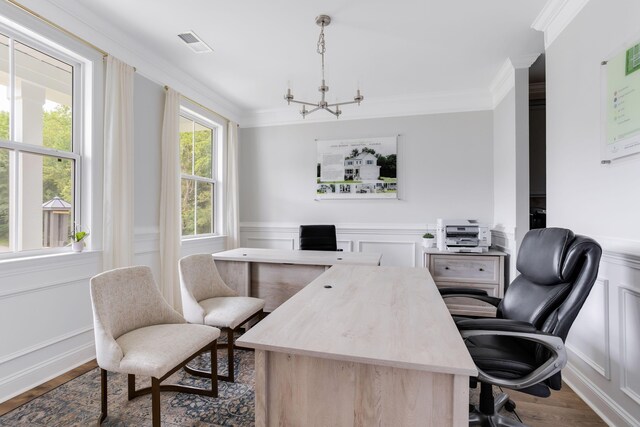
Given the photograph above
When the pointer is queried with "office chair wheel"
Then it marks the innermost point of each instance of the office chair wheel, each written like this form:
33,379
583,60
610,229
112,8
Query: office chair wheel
510,406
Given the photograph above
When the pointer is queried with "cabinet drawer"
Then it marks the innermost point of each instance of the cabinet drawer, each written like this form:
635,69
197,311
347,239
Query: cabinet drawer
465,268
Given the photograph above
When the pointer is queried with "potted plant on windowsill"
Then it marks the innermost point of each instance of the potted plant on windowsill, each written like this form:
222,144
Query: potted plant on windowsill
77,239
428,240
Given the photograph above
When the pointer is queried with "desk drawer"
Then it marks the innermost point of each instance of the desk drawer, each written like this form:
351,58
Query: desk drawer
465,268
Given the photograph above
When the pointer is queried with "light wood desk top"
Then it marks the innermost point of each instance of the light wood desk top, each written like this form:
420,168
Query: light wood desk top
389,316
283,256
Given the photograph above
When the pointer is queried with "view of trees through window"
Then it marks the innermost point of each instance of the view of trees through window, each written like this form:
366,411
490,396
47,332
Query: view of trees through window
37,157
57,174
196,163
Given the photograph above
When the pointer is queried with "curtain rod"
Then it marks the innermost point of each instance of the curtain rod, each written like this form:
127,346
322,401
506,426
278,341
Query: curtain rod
201,106
59,28
56,26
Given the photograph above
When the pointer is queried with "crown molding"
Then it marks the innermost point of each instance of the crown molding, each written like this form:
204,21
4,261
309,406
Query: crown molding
400,106
108,37
555,16
504,79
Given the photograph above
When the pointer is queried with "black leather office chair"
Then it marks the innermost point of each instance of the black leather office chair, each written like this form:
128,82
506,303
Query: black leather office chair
318,238
523,347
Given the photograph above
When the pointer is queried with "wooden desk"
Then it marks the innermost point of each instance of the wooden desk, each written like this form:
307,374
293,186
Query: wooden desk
275,275
378,348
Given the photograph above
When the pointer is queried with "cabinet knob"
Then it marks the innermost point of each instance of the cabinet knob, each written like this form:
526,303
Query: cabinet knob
446,268
482,269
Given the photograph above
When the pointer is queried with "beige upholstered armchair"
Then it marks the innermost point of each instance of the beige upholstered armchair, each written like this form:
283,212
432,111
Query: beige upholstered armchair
207,300
138,333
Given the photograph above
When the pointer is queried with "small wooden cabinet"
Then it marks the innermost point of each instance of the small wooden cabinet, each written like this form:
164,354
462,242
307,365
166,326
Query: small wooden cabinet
467,270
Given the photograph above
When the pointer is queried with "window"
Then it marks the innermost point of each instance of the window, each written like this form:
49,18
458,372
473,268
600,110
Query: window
39,144
198,142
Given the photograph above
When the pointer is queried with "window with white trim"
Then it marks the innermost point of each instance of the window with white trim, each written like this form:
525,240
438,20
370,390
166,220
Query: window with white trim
198,160
40,144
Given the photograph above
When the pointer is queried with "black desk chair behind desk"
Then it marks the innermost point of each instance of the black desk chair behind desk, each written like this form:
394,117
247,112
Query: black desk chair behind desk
318,238
523,347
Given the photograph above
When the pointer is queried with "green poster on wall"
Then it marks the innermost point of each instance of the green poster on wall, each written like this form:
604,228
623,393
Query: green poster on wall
622,103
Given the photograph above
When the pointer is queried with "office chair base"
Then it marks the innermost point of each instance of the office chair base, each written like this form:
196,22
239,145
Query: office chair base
478,418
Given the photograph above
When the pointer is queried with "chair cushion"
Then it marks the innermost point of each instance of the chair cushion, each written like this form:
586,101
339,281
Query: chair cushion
542,254
155,350
229,312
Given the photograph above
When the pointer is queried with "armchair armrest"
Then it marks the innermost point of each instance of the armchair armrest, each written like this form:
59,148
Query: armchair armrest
493,324
554,364
473,293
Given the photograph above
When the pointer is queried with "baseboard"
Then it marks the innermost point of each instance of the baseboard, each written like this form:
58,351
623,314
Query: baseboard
607,409
46,370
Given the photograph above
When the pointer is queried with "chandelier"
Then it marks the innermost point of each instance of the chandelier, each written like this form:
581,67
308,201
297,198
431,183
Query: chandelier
322,21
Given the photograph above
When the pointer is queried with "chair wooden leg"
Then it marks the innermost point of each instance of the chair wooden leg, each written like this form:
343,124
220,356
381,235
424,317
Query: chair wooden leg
155,402
214,369
230,354
103,396
131,386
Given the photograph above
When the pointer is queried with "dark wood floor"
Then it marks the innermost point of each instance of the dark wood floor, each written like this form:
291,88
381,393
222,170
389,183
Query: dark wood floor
25,397
564,408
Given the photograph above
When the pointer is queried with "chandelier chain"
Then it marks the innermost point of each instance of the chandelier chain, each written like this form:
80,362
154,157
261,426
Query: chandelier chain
321,49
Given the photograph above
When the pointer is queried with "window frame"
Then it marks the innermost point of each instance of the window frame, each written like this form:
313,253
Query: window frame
217,129
78,136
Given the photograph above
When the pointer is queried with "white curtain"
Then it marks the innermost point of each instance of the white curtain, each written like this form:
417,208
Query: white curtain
170,216
231,217
118,165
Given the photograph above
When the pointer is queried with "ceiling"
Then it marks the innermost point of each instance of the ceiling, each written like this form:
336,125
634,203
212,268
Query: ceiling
390,50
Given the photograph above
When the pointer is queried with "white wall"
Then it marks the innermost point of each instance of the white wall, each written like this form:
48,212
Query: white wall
504,165
445,168
511,168
601,201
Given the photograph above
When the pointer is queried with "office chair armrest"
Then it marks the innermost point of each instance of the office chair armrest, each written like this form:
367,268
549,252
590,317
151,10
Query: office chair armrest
477,294
492,324
554,364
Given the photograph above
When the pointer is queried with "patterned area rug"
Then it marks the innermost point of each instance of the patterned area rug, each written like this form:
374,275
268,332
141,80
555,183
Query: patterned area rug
77,403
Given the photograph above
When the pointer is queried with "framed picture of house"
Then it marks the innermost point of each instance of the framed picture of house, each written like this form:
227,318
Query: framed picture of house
357,168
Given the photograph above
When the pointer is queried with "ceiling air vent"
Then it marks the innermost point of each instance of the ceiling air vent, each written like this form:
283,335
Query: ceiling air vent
194,42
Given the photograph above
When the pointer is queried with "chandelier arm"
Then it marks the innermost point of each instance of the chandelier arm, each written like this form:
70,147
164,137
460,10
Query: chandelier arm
341,103
311,111
335,113
311,104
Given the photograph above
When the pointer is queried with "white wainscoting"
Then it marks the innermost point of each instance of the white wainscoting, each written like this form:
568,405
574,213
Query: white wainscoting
604,342
45,316
399,244
505,240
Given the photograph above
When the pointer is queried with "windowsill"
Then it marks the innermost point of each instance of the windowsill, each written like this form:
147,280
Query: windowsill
48,258
211,237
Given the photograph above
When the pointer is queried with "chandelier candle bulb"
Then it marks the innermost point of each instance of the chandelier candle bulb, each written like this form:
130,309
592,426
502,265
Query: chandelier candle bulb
322,21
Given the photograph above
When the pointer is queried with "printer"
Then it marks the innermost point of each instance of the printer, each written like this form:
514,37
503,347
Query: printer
462,235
